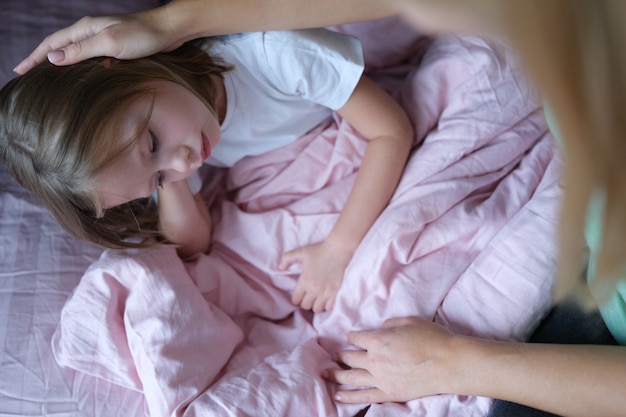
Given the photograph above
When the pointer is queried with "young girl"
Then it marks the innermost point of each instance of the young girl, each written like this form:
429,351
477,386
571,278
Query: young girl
94,140
576,53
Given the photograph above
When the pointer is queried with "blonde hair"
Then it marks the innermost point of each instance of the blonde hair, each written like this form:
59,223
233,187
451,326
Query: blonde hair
58,127
575,50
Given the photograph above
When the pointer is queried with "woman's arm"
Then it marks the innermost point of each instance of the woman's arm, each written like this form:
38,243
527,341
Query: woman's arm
144,33
374,114
184,219
135,35
411,358
192,19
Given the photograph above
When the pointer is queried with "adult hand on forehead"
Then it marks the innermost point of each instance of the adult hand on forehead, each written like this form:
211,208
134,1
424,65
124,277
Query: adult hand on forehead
125,36
136,35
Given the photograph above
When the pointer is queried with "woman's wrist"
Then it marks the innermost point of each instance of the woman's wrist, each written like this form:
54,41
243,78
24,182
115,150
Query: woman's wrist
486,368
465,365
183,20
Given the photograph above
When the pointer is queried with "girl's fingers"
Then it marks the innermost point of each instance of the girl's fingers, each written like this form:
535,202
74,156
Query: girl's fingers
290,257
329,304
307,301
297,296
319,305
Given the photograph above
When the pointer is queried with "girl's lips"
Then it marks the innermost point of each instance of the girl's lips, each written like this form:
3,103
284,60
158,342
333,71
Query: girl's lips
206,147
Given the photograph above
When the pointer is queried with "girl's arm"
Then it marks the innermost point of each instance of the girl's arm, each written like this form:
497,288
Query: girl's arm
380,119
184,219
411,358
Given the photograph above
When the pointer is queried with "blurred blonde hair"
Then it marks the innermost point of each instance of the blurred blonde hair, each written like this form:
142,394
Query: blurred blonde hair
59,132
575,50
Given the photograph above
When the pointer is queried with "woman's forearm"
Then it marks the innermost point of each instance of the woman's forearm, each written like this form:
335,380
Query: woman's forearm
411,358
135,35
569,380
191,19
198,18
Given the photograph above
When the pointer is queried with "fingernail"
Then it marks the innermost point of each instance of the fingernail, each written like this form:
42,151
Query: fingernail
338,397
56,56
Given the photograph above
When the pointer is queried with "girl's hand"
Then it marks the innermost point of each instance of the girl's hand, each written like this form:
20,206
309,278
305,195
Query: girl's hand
184,219
323,267
126,36
406,359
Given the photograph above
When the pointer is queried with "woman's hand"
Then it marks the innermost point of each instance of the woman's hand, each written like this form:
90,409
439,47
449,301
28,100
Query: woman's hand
410,358
406,359
136,35
124,36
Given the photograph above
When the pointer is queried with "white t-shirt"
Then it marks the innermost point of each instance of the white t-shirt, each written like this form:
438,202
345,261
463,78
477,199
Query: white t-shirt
283,84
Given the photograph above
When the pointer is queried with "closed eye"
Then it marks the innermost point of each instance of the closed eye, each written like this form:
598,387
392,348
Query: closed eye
154,142
154,146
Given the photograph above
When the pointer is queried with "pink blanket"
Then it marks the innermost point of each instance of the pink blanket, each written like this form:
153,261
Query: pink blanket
467,241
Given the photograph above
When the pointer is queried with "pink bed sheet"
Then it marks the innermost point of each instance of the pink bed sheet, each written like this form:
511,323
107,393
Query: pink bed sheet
467,241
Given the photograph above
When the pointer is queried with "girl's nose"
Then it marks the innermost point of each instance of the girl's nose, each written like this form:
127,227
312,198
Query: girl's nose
180,159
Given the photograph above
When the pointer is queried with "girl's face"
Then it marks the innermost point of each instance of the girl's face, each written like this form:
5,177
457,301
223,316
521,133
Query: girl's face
177,138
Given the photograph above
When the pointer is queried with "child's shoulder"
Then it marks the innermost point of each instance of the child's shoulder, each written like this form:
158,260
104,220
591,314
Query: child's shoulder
301,38
283,52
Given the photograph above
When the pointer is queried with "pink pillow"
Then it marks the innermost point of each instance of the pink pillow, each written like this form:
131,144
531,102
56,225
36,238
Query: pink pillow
138,320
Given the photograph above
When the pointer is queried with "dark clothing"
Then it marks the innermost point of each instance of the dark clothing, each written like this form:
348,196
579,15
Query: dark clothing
567,323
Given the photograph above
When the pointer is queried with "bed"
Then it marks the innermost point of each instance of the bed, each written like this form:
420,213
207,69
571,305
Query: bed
467,241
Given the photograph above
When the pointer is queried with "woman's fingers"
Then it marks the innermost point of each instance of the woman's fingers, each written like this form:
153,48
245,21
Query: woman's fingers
71,44
358,378
353,377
